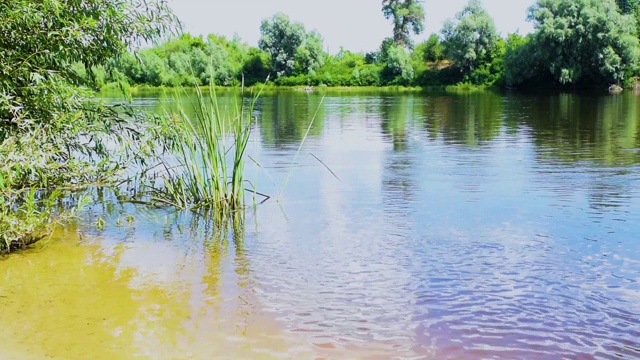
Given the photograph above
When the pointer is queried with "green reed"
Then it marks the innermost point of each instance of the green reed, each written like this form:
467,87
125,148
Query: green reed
205,165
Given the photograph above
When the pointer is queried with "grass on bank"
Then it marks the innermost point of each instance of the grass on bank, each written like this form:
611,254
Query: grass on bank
264,88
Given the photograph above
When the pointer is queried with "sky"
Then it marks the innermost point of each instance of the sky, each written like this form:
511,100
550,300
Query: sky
356,25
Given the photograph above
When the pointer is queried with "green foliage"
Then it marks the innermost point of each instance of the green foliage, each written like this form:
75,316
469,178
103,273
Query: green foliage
383,52
520,62
310,56
42,40
219,67
628,6
431,50
51,136
434,76
130,65
344,69
407,16
367,75
584,40
339,70
187,61
26,213
227,58
280,39
155,68
491,73
256,68
398,69
470,41
285,48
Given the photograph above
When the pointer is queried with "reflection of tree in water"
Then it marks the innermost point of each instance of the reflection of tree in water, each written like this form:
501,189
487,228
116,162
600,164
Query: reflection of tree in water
464,121
284,118
573,128
596,134
399,192
398,181
607,192
214,232
466,118
223,303
216,250
167,102
396,115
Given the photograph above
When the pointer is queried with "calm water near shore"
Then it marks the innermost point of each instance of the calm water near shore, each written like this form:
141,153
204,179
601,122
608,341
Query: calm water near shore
462,226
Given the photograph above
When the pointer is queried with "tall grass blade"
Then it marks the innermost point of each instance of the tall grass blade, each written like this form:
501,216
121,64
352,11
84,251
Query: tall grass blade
326,167
295,157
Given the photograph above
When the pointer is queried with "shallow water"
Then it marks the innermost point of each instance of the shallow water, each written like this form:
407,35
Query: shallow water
463,226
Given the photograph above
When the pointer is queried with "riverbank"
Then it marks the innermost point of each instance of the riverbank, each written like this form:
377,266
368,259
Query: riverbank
111,90
631,85
142,89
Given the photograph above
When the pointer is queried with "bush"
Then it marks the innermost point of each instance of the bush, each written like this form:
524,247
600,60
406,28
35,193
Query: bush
52,135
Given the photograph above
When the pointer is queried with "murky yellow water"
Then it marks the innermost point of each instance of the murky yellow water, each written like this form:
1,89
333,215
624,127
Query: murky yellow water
74,299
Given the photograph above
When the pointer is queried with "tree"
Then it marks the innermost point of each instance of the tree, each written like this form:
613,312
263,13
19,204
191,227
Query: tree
631,7
130,66
39,40
520,62
179,63
407,16
584,40
627,6
470,40
154,68
199,64
237,54
256,66
220,68
280,39
383,53
430,50
310,56
51,136
398,69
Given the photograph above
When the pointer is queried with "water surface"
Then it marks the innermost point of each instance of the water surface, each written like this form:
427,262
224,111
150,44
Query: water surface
474,225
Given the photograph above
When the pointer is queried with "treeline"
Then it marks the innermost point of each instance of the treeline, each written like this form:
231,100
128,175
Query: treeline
576,43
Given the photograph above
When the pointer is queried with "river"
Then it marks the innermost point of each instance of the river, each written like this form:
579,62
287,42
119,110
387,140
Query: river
449,226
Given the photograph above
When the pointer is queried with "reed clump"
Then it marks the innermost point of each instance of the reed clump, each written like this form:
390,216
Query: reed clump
204,166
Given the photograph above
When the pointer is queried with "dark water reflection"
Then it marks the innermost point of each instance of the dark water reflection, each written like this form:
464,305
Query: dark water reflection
476,225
